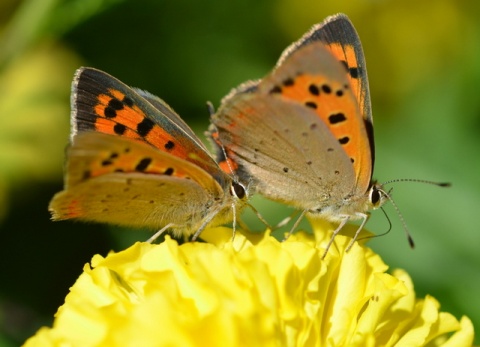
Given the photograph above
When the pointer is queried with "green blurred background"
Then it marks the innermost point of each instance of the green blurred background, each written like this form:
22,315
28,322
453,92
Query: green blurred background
424,68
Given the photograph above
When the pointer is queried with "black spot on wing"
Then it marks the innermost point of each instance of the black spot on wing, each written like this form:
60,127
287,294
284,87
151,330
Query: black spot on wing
119,129
314,90
143,164
115,104
107,162
109,112
326,89
288,82
337,118
127,101
276,90
354,72
169,145
144,127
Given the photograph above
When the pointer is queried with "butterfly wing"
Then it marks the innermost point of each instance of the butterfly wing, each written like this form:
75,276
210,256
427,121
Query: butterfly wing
167,111
313,77
115,180
104,104
339,36
314,81
285,148
341,39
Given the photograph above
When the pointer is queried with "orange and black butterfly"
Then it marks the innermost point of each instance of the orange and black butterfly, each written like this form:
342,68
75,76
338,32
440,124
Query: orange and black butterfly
303,135
133,161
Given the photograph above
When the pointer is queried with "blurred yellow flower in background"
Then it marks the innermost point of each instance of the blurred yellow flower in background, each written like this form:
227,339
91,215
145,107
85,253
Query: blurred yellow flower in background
255,291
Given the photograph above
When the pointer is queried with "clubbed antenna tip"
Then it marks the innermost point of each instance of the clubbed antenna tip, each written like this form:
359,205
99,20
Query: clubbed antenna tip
410,242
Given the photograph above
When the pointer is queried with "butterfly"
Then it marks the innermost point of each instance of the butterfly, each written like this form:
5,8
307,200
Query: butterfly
133,161
303,135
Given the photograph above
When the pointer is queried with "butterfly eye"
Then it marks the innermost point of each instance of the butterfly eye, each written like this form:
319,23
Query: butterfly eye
238,190
375,196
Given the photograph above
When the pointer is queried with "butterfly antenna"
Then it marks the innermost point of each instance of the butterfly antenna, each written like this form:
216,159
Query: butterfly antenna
224,152
400,216
234,222
438,184
211,111
389,197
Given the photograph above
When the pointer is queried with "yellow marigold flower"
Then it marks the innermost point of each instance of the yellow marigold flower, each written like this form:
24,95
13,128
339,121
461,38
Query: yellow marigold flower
255,291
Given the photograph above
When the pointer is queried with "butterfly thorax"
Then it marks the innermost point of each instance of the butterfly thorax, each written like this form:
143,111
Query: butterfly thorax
353,206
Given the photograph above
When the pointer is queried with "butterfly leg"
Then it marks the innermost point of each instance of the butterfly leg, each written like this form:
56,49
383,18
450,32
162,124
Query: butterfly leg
365,217
284,221
340,227
260,218
159,233
295,225
212,215
279,225
199,230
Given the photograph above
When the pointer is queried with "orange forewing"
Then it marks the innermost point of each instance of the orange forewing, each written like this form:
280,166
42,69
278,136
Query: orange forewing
104,104
331,102
346,54
130,117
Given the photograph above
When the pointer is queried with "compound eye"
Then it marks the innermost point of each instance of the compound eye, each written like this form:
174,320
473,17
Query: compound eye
238,190
375,196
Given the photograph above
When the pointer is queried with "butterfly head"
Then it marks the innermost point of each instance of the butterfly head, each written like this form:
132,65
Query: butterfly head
377,196
239,191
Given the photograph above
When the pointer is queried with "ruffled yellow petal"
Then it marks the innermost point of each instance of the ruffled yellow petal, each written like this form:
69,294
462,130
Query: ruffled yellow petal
254,291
